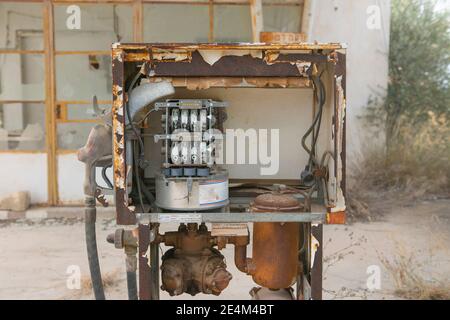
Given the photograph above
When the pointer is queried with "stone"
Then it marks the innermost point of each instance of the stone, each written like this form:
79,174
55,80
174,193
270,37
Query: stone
17,201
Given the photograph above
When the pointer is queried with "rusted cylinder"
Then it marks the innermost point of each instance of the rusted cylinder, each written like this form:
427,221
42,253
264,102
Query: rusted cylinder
240,258
275,245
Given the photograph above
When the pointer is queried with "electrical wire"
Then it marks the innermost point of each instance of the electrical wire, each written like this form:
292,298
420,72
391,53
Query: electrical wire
136,174
316,133
146,116
324,178
321,97
127,109
105,177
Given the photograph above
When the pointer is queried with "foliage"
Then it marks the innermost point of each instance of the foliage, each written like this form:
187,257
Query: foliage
419,71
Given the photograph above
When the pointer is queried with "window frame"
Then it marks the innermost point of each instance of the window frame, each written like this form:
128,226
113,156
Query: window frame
54,106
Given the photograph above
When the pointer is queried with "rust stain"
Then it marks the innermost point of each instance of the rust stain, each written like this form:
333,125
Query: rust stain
271,56
282,37
201,83
233,46
275,245
336,217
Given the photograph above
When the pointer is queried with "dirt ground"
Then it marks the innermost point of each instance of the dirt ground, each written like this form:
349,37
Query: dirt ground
36,256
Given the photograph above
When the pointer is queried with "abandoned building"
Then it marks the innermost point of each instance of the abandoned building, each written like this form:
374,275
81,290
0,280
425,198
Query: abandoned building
51,66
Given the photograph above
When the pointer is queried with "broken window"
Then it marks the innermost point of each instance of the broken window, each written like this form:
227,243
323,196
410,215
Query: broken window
18,20
82,111
22,77
80,77
232,23
73,135
176,23
22,126
282,16
92,26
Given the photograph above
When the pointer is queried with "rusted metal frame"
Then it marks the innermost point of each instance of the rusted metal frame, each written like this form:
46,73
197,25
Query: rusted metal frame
50,98
227,66
154,267
143,263
199,83
124,214
338,216
229,46
341,70
316,268
304,263
233,217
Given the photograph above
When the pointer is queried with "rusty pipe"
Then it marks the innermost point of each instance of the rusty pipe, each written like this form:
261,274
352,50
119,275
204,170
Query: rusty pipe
240,259
275,245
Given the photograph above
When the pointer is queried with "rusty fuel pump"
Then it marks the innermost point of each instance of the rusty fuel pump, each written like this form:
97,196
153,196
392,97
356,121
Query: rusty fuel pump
164,138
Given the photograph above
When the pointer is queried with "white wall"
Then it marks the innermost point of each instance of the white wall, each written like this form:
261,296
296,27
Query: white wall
367,54
71,178
22,172
288,110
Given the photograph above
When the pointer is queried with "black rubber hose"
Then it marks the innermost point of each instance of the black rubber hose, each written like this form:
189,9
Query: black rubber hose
132,285
91,244
105,177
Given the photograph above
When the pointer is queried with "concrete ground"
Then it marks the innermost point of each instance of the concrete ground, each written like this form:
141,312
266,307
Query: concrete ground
38,256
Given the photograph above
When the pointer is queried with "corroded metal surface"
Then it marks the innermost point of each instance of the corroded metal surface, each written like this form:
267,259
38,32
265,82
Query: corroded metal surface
143,263
232,217
192,265
272,202
275,245
229,46
199,66
124,215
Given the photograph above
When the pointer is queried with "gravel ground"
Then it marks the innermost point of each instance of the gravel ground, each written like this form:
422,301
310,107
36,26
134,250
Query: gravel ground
36,256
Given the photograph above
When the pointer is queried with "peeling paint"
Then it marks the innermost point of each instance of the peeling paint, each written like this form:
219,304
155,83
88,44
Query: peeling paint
199,83
303,68
271,56
187,68
174,56
212,56
314,247
340,200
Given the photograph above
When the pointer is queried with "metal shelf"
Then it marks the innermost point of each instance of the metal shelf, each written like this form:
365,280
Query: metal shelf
230,217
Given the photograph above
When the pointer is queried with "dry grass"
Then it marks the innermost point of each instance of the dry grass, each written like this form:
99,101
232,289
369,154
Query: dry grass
110,280
409,277
418,167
